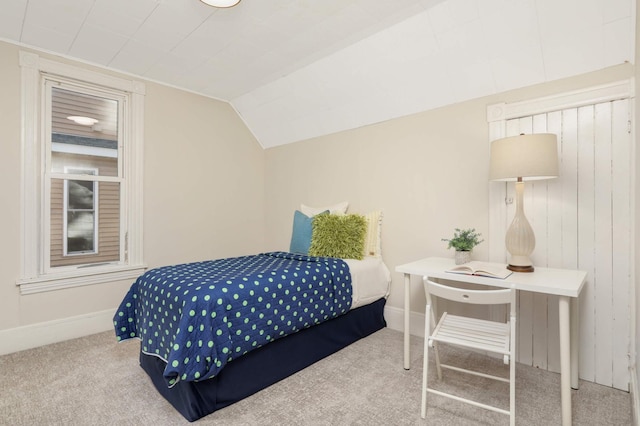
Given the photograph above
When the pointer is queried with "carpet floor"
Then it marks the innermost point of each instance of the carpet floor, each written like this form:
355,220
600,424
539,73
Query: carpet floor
96,381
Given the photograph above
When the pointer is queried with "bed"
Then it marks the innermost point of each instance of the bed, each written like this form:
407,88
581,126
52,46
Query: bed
214,332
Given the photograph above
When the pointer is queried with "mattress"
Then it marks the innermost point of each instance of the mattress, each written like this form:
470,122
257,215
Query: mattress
370,279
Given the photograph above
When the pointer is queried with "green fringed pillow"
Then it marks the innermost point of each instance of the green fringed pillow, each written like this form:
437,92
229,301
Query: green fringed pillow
340,236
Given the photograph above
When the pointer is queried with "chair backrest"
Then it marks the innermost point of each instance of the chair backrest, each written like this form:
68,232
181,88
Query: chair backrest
478,297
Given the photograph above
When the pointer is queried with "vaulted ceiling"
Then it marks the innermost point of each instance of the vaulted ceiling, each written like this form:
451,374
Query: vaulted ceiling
297,69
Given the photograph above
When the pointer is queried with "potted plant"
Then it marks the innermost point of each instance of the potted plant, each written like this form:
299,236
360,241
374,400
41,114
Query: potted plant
463,241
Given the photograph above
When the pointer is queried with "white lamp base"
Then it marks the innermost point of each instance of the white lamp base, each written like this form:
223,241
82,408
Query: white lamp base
520,240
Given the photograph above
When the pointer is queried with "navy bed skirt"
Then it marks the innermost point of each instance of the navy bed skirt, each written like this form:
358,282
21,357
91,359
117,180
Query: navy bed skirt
266,365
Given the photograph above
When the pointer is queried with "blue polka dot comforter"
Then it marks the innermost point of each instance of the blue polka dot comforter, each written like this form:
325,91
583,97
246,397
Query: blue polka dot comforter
199,316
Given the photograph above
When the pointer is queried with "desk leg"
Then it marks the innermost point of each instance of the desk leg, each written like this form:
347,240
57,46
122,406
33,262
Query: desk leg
407,325
575,342
565,359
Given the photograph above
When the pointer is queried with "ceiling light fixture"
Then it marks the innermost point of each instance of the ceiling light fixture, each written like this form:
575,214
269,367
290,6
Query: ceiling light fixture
83,121
221,3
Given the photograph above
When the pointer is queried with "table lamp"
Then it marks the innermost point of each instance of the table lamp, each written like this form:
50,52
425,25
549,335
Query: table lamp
519,159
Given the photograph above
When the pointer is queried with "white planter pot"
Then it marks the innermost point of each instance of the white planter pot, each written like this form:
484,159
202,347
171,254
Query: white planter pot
463,257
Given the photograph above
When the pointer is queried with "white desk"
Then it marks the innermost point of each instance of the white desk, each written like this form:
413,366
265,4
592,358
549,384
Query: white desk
564,283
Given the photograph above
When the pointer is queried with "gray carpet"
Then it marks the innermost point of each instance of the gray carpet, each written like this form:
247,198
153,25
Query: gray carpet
96,381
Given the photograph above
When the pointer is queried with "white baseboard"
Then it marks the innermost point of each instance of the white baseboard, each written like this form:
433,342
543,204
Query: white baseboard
635,395
40,334
395,320
44,333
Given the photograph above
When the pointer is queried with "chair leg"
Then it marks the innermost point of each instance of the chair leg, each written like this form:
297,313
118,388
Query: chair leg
438,368
425,362
512,393
432,313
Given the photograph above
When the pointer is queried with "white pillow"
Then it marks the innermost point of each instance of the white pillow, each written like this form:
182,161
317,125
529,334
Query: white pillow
372,246
340,208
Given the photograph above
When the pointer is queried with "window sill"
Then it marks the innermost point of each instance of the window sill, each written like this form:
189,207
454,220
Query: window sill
52,282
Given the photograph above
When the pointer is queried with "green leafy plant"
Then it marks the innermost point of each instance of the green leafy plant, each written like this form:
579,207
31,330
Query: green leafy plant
464,239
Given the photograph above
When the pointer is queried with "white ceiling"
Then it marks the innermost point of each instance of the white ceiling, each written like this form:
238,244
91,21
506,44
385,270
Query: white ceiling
296,69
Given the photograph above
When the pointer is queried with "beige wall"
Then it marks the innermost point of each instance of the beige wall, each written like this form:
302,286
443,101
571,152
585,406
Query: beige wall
427,172
203,194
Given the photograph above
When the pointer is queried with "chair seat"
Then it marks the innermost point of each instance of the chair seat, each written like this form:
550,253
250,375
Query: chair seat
475,333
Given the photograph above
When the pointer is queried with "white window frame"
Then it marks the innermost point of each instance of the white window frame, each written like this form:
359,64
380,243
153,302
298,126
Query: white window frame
35,276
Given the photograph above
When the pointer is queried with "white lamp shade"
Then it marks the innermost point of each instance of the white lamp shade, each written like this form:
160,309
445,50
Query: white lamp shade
221,3
530,157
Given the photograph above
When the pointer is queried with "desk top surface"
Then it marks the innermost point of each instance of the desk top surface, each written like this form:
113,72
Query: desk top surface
561,282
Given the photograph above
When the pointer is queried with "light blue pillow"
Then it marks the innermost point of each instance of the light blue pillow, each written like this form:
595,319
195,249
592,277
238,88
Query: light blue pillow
302,231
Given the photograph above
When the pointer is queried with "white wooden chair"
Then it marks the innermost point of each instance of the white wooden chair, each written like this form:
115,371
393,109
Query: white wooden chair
472,333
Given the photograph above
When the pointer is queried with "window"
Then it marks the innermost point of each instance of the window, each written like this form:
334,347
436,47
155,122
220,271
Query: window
82,176
80,217
82,168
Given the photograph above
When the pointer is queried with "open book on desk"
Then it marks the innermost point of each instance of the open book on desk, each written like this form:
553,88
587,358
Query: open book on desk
481,269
